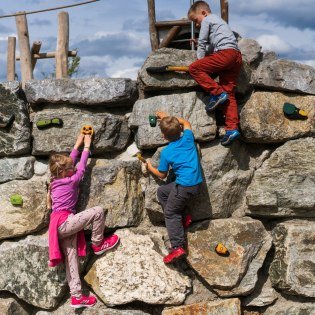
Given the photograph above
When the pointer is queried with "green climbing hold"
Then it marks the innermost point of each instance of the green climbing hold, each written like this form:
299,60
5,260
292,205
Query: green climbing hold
16,200
292,112
44,123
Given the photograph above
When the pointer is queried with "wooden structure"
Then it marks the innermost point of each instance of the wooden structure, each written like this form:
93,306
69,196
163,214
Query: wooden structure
29,56
175,26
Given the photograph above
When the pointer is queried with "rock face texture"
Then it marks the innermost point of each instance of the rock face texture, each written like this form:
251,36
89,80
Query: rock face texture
16,168
257,197
27,218
284,185
15,136
248,243
145,279
90,92
292,269
285,75
190,106
113,185
262,119
227,307
25,273
111,131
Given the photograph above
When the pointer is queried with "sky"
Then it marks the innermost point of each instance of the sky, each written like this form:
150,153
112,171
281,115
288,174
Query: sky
112,36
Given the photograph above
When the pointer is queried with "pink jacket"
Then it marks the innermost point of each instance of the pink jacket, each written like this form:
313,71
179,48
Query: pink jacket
64,194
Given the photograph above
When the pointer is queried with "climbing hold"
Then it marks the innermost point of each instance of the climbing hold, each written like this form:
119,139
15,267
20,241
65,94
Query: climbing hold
221,250
16,200
292,112
87,130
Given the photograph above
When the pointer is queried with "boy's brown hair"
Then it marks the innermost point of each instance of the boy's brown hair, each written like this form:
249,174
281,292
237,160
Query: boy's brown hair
170,128
199,6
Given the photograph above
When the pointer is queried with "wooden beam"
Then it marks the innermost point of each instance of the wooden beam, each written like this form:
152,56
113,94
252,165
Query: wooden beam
170,36
62,45
164,24
50,54
225,10
24,45
11,58
154,36
35,50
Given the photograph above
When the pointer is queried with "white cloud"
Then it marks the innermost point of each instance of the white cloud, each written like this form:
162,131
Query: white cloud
274,43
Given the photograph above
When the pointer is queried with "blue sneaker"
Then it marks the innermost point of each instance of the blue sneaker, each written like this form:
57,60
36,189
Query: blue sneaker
216,100
230,136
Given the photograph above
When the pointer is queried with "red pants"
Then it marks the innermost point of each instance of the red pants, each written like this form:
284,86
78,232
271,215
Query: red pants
227,64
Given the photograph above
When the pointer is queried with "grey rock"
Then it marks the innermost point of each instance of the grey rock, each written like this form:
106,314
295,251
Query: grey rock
189,106
227,172
111,131
250,49
15,138
292,268
92,91
24,272
114,185
262,119
226,307
284,185
135,271
9,306
178,80
16,168
285,75
31,216
169,80
248,243
285,307
40,167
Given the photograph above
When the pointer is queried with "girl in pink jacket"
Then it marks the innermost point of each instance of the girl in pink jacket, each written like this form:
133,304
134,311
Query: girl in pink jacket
66,236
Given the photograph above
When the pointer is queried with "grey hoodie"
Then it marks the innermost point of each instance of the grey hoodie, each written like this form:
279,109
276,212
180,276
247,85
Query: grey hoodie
215,34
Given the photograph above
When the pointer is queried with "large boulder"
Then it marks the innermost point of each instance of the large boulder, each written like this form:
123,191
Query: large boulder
135,271
226,307
285,307
16,168
236,274
9,306
227,172
31,216
15,137
284,75
107,92
111,131
251,50
190,106
284,185
262,119
114,185
24,271
292,269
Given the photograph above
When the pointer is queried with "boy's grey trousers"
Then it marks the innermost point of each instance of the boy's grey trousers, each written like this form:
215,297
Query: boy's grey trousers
174,198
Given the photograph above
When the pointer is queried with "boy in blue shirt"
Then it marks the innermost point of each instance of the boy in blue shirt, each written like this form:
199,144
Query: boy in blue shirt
180,154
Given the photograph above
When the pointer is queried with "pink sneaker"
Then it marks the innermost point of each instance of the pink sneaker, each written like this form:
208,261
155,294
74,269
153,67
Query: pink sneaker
108,243
83,301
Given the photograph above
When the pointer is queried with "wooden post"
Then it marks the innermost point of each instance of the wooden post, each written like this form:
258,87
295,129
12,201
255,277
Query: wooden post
170,36
225,10
62,45
35,50
154,36
25,51
49,54
11,58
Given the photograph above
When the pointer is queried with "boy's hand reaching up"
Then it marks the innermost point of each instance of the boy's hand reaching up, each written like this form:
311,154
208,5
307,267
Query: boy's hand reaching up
79,141
87,142
161,115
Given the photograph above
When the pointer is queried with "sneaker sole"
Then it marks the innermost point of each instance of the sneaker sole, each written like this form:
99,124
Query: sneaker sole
219,102
230,139
82,305
175,259
107,249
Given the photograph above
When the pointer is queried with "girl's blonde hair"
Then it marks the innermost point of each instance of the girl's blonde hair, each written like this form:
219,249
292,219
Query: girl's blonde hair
58,163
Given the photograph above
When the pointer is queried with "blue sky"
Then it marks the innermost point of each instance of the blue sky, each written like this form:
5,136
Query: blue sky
113,39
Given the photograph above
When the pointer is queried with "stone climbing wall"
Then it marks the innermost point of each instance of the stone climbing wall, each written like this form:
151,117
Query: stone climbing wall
258,195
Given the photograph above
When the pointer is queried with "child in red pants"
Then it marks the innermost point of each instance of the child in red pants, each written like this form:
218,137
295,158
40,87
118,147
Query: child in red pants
66,237
224,59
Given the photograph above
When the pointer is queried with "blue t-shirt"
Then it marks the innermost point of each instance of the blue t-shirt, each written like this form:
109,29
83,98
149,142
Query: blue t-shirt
182,156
